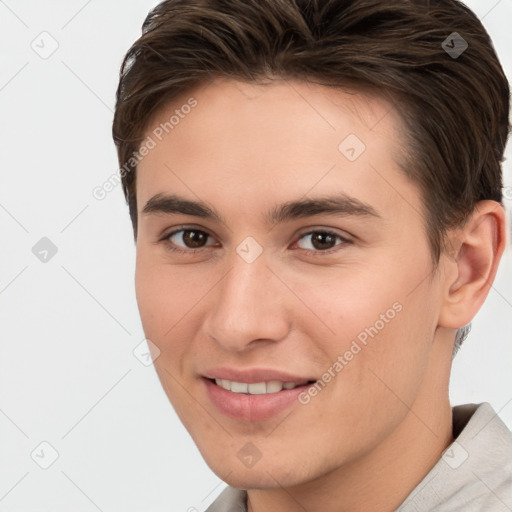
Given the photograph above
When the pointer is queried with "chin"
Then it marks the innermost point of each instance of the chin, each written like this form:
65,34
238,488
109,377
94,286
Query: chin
264,478
264,474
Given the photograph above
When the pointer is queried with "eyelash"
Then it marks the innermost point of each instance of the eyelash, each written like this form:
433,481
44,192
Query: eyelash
174,248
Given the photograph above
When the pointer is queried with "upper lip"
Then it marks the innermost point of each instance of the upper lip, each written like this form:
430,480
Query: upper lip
253,375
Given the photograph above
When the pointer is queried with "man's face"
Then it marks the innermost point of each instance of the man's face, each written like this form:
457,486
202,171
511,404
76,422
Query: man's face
341,293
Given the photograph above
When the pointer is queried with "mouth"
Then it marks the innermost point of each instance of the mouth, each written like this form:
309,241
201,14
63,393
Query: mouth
258,388
254,401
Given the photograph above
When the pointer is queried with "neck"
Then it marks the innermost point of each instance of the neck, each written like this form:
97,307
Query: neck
381,479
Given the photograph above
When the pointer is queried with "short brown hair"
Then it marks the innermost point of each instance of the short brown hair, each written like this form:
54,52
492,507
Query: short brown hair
455,107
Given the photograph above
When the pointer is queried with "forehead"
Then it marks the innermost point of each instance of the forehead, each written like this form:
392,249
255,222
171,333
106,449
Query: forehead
265,109
253,143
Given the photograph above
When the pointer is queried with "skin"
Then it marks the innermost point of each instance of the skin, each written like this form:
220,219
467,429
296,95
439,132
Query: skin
371,435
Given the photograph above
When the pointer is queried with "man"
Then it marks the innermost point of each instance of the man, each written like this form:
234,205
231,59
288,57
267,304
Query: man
315,191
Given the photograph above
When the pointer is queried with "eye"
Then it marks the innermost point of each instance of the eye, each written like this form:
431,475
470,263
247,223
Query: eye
186,239
189,240
321,241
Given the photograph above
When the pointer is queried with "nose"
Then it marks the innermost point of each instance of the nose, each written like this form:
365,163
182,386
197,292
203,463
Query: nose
248,307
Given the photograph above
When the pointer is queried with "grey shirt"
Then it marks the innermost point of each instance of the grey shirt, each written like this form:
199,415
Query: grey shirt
473,474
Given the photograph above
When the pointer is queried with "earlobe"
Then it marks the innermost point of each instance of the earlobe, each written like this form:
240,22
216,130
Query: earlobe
471,262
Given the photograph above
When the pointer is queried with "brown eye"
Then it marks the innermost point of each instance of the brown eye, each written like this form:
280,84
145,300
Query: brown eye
320,241
189,238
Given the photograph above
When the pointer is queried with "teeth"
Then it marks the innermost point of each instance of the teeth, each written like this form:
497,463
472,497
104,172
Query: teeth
274,386
257,388
239,387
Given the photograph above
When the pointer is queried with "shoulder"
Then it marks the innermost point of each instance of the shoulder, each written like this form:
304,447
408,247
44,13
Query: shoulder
474,472
230,500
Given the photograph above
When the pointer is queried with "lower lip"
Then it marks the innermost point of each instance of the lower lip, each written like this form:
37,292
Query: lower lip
252,408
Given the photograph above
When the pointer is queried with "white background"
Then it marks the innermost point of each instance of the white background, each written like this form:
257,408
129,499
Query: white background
70,325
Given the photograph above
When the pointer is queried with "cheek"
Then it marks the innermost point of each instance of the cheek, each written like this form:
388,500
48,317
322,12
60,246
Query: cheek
379,334
165,300
169,299
347,304
164,294
150,297
162,301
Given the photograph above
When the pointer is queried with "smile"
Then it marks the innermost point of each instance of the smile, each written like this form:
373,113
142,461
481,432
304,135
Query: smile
254,401
257,388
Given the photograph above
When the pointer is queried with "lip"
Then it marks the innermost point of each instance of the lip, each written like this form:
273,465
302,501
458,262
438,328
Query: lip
253,375
252,408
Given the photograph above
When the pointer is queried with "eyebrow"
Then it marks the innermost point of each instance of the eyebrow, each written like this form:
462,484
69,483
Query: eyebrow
337,205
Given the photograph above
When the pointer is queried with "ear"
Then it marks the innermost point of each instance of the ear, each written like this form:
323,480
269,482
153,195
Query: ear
471,263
